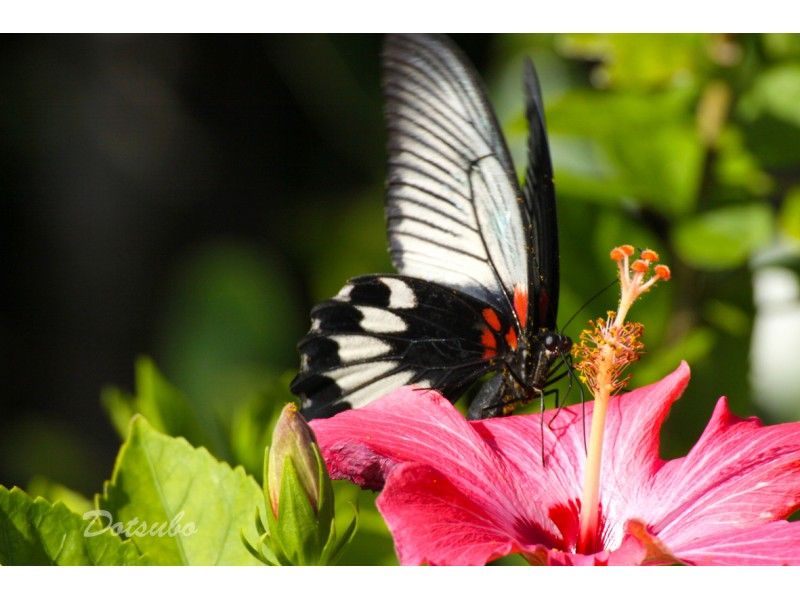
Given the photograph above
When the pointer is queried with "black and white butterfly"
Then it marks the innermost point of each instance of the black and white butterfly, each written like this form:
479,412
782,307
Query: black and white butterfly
477,256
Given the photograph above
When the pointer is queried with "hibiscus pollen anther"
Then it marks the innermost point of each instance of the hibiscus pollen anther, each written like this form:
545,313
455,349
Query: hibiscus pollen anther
662,272
617,254
649,255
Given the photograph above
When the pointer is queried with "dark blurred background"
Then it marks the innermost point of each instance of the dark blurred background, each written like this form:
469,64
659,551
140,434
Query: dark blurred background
188,198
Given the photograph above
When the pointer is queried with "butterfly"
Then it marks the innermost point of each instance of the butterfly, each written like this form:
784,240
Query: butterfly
477,256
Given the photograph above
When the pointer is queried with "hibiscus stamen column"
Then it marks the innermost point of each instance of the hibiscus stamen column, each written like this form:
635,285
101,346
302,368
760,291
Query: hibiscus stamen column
603,353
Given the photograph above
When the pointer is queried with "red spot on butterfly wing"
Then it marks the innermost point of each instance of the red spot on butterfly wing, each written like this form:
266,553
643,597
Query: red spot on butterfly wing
511,338
489,342
490,316
521,304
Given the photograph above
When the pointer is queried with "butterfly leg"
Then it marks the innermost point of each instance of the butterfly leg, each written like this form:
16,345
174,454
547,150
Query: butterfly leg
489,400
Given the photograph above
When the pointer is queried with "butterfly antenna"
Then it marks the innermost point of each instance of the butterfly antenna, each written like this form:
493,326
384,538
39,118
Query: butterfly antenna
589,301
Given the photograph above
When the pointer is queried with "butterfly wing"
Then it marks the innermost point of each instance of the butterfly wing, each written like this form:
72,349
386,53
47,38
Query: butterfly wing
453,203
460,235
540,204
382,332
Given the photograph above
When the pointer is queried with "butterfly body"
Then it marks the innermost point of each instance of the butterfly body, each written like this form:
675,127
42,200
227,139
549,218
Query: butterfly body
478,256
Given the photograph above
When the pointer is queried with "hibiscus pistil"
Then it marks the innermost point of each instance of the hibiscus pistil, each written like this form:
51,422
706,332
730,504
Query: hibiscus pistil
604,351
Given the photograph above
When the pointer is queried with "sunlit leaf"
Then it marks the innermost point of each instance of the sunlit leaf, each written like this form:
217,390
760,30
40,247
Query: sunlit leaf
203,504
775,92
54,492
36,532
646,147
640,61
163,405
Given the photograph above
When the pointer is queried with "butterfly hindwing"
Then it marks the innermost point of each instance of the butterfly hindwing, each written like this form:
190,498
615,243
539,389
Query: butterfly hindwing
381,332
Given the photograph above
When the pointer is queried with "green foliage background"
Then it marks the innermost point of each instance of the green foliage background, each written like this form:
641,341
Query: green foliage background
687,144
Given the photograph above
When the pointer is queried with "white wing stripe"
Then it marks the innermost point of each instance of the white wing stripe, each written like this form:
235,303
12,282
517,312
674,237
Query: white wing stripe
354,377
353,347
401,296
377,320
378,388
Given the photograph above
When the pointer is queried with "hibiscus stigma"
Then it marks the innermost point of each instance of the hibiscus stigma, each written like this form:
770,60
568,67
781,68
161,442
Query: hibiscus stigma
603,353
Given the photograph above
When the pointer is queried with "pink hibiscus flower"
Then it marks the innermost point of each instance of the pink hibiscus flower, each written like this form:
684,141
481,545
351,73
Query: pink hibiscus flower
457,492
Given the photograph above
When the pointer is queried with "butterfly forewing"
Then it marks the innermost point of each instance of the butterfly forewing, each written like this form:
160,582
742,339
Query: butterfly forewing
452,201
540,205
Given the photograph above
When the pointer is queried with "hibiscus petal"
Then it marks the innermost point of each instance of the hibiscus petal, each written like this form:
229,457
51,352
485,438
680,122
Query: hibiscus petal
365,445
630,456
739,474
774,543
435,522
631,450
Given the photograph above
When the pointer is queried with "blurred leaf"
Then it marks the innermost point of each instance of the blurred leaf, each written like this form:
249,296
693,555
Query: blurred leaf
344,240
723,238
231,318
252,423
781,45
775,92
164,481
163,405
54,492
789,217
372,544
770,116
727,317
694,347
53,449
736,166
661,169
35,532
640,61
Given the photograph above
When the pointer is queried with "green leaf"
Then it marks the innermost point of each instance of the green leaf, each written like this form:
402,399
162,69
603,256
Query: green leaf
723,238
336,544
163,405
694,347
230,315
736,166
252,421
372,544
789,217
204,504
641,60
661,169
55,492
775,93
36,532
781,45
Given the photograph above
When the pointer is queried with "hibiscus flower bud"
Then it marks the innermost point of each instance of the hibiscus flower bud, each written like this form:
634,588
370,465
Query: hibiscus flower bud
300,526
292,440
